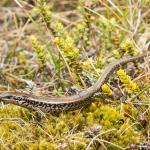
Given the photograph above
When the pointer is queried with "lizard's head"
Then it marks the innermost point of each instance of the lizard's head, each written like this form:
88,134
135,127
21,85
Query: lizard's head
5,96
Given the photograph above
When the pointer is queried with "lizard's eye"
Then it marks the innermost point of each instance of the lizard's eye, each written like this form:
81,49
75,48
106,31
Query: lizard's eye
7,96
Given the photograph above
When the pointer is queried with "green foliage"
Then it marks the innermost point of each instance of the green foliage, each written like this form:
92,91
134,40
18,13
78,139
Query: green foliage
22,58
126,80
40,51
106,28
106,90
66,129
86,65
58,28
109,117
78,32
70,51
43,9
116,53
128,46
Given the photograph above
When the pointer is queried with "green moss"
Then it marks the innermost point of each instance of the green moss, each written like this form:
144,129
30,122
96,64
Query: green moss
58,28
55,128
39,50
43,145
69,50
43,9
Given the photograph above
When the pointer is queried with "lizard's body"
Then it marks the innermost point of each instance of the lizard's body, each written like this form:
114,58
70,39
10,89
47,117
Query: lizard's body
63,104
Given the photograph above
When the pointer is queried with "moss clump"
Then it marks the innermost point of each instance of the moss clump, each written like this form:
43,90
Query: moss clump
106,90
58,29
126,80
63,130
44,11
40,51
128,46
69,50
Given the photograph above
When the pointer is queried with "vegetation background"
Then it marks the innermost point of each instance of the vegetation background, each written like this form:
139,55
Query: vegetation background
57,48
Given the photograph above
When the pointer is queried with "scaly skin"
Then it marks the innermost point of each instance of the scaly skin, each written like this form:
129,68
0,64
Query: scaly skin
55,105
